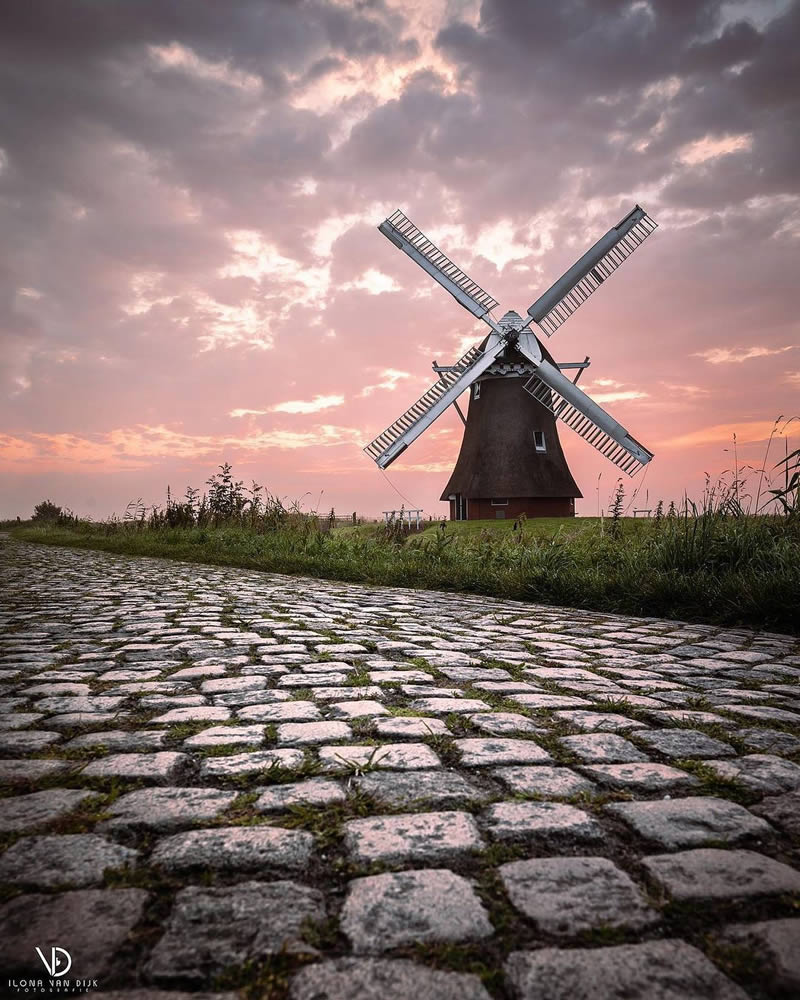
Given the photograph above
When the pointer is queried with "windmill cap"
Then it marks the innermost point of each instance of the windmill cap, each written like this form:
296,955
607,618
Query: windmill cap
510,320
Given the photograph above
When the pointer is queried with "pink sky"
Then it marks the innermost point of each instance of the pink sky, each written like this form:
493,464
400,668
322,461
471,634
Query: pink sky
191,272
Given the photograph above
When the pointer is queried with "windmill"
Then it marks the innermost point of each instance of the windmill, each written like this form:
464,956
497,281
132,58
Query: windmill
511,460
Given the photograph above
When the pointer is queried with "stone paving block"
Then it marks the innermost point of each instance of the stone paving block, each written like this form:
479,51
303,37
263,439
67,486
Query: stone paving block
312,792
760,772
690,821
544,782
400,677
210,930
782,810
75,720
774,945
242,699
538,701
708,873
121,740
564,896
412,907
503,723
327,667
763,712
327,679
443,706
608,722
26,741
426,691
382,979
18,720
468,674
769,741
744,656
159,767
676,715
377,663
397,756
603,748
451,657
164,809
505,687
176,700
228,685
226,736
195,713
340,648
91,923
199,672
640,777
285,649
25,812
86,703
485,752
347,693
23,772
307,733
235,849
541,822
559,674
72,689
430,788
430,836
11,704
679,743
76,859
355,709
152,687
282,711
406,725
236,765
656,970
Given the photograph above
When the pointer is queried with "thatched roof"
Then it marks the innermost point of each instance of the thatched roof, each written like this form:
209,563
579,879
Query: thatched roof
498,456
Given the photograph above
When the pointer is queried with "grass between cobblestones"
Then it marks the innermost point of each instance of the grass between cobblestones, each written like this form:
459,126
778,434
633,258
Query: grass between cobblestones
712,568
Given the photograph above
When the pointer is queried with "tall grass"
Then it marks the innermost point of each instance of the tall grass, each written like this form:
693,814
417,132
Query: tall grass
719,561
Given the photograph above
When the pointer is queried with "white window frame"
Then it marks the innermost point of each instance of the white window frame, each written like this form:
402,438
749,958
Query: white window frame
539,441
500,502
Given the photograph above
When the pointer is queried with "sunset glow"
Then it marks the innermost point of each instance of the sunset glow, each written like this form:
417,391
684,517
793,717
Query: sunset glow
192,272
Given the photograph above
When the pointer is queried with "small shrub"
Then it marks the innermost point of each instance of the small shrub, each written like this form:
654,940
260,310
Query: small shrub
46,512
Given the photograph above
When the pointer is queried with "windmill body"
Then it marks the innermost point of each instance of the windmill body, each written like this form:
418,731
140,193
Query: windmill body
511,461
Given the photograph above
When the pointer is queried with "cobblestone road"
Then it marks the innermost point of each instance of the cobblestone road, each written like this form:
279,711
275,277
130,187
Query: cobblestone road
231,784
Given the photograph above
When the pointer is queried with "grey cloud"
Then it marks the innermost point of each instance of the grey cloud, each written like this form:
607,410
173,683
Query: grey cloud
94,126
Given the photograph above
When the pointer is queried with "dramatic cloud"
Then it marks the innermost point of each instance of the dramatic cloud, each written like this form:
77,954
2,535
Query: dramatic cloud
726,355
191,272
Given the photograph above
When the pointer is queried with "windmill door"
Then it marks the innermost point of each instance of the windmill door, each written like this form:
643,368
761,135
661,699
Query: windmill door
460,506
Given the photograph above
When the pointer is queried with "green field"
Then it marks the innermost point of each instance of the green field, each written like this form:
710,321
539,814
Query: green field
716,563
722,570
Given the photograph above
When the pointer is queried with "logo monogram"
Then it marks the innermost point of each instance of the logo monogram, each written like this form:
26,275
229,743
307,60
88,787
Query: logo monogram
54,965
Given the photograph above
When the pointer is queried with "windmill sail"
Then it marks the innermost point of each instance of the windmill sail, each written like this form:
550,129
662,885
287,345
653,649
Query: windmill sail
578,411
398,436
574,287
405,235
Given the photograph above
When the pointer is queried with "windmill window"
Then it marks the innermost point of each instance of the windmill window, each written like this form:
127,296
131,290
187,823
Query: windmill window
502,502
476,391
539,441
